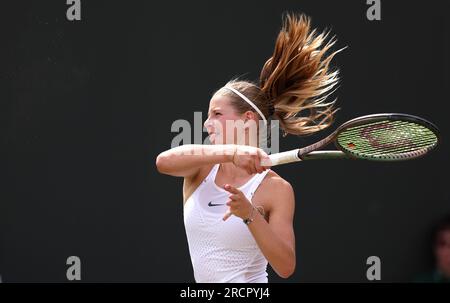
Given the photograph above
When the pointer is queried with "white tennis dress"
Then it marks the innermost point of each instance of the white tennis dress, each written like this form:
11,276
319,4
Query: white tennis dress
222,251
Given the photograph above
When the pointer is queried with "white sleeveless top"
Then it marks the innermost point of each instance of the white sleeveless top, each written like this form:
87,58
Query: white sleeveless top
222,251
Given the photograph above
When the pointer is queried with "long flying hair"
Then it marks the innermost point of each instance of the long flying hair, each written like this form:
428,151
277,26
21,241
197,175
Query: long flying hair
295,81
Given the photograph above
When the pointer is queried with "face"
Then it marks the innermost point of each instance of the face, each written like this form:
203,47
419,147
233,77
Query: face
220,111
442,252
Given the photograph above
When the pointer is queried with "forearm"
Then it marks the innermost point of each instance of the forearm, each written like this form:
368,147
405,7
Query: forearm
278,253
186,159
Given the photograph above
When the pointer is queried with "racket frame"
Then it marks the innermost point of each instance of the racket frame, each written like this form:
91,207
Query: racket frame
311,152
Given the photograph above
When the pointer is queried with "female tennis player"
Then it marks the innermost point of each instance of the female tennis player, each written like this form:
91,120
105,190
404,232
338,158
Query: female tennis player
238,214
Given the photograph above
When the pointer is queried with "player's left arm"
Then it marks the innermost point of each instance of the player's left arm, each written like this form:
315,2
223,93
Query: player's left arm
276,238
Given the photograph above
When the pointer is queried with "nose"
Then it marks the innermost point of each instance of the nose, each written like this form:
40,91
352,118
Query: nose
207,123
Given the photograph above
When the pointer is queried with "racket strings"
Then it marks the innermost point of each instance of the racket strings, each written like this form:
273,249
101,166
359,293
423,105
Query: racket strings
387,139
397,145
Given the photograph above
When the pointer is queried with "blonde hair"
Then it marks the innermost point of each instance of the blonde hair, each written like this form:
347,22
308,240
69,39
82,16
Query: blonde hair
294,81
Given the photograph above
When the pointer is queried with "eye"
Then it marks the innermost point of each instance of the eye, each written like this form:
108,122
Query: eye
217,114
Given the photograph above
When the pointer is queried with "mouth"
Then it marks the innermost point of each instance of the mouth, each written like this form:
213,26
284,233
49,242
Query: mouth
212,136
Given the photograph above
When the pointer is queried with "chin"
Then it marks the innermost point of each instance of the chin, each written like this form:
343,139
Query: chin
212,138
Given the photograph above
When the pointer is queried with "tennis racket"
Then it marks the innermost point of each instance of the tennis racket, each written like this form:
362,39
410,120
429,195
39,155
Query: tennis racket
378,137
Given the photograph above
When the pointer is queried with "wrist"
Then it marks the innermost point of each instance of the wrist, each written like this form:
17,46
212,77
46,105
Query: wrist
250,217
233,151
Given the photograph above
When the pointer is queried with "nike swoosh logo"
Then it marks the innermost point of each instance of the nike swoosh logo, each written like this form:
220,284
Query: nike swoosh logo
214,204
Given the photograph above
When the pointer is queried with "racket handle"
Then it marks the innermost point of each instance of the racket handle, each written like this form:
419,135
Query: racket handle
284,157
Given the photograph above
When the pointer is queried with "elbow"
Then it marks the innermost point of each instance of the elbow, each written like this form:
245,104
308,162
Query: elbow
287,273
162,163
287,270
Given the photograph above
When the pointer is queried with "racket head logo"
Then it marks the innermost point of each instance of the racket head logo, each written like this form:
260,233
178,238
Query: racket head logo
351,145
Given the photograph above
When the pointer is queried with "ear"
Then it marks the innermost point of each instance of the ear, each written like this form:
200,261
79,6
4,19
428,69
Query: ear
249,115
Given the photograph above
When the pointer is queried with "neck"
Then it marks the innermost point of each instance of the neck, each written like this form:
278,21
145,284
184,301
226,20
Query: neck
245,140
230,169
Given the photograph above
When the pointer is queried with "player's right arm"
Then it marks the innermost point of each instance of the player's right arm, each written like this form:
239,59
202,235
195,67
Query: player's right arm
187,160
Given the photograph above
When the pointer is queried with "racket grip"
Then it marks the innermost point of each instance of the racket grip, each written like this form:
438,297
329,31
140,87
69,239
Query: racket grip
284,157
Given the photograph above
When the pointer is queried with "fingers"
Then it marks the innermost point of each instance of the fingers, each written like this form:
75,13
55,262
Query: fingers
252,165
231,189
266,163
235,196
250,158
258,167
227,215
238,205
249,171
231,209
264,160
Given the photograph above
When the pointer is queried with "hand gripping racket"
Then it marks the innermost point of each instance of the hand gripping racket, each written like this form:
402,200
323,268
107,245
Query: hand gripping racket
378,137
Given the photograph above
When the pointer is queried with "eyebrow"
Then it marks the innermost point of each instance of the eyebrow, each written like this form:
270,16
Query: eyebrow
214,109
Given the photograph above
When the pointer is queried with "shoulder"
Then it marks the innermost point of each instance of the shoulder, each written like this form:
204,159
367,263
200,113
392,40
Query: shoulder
276,184
276,195
278,191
